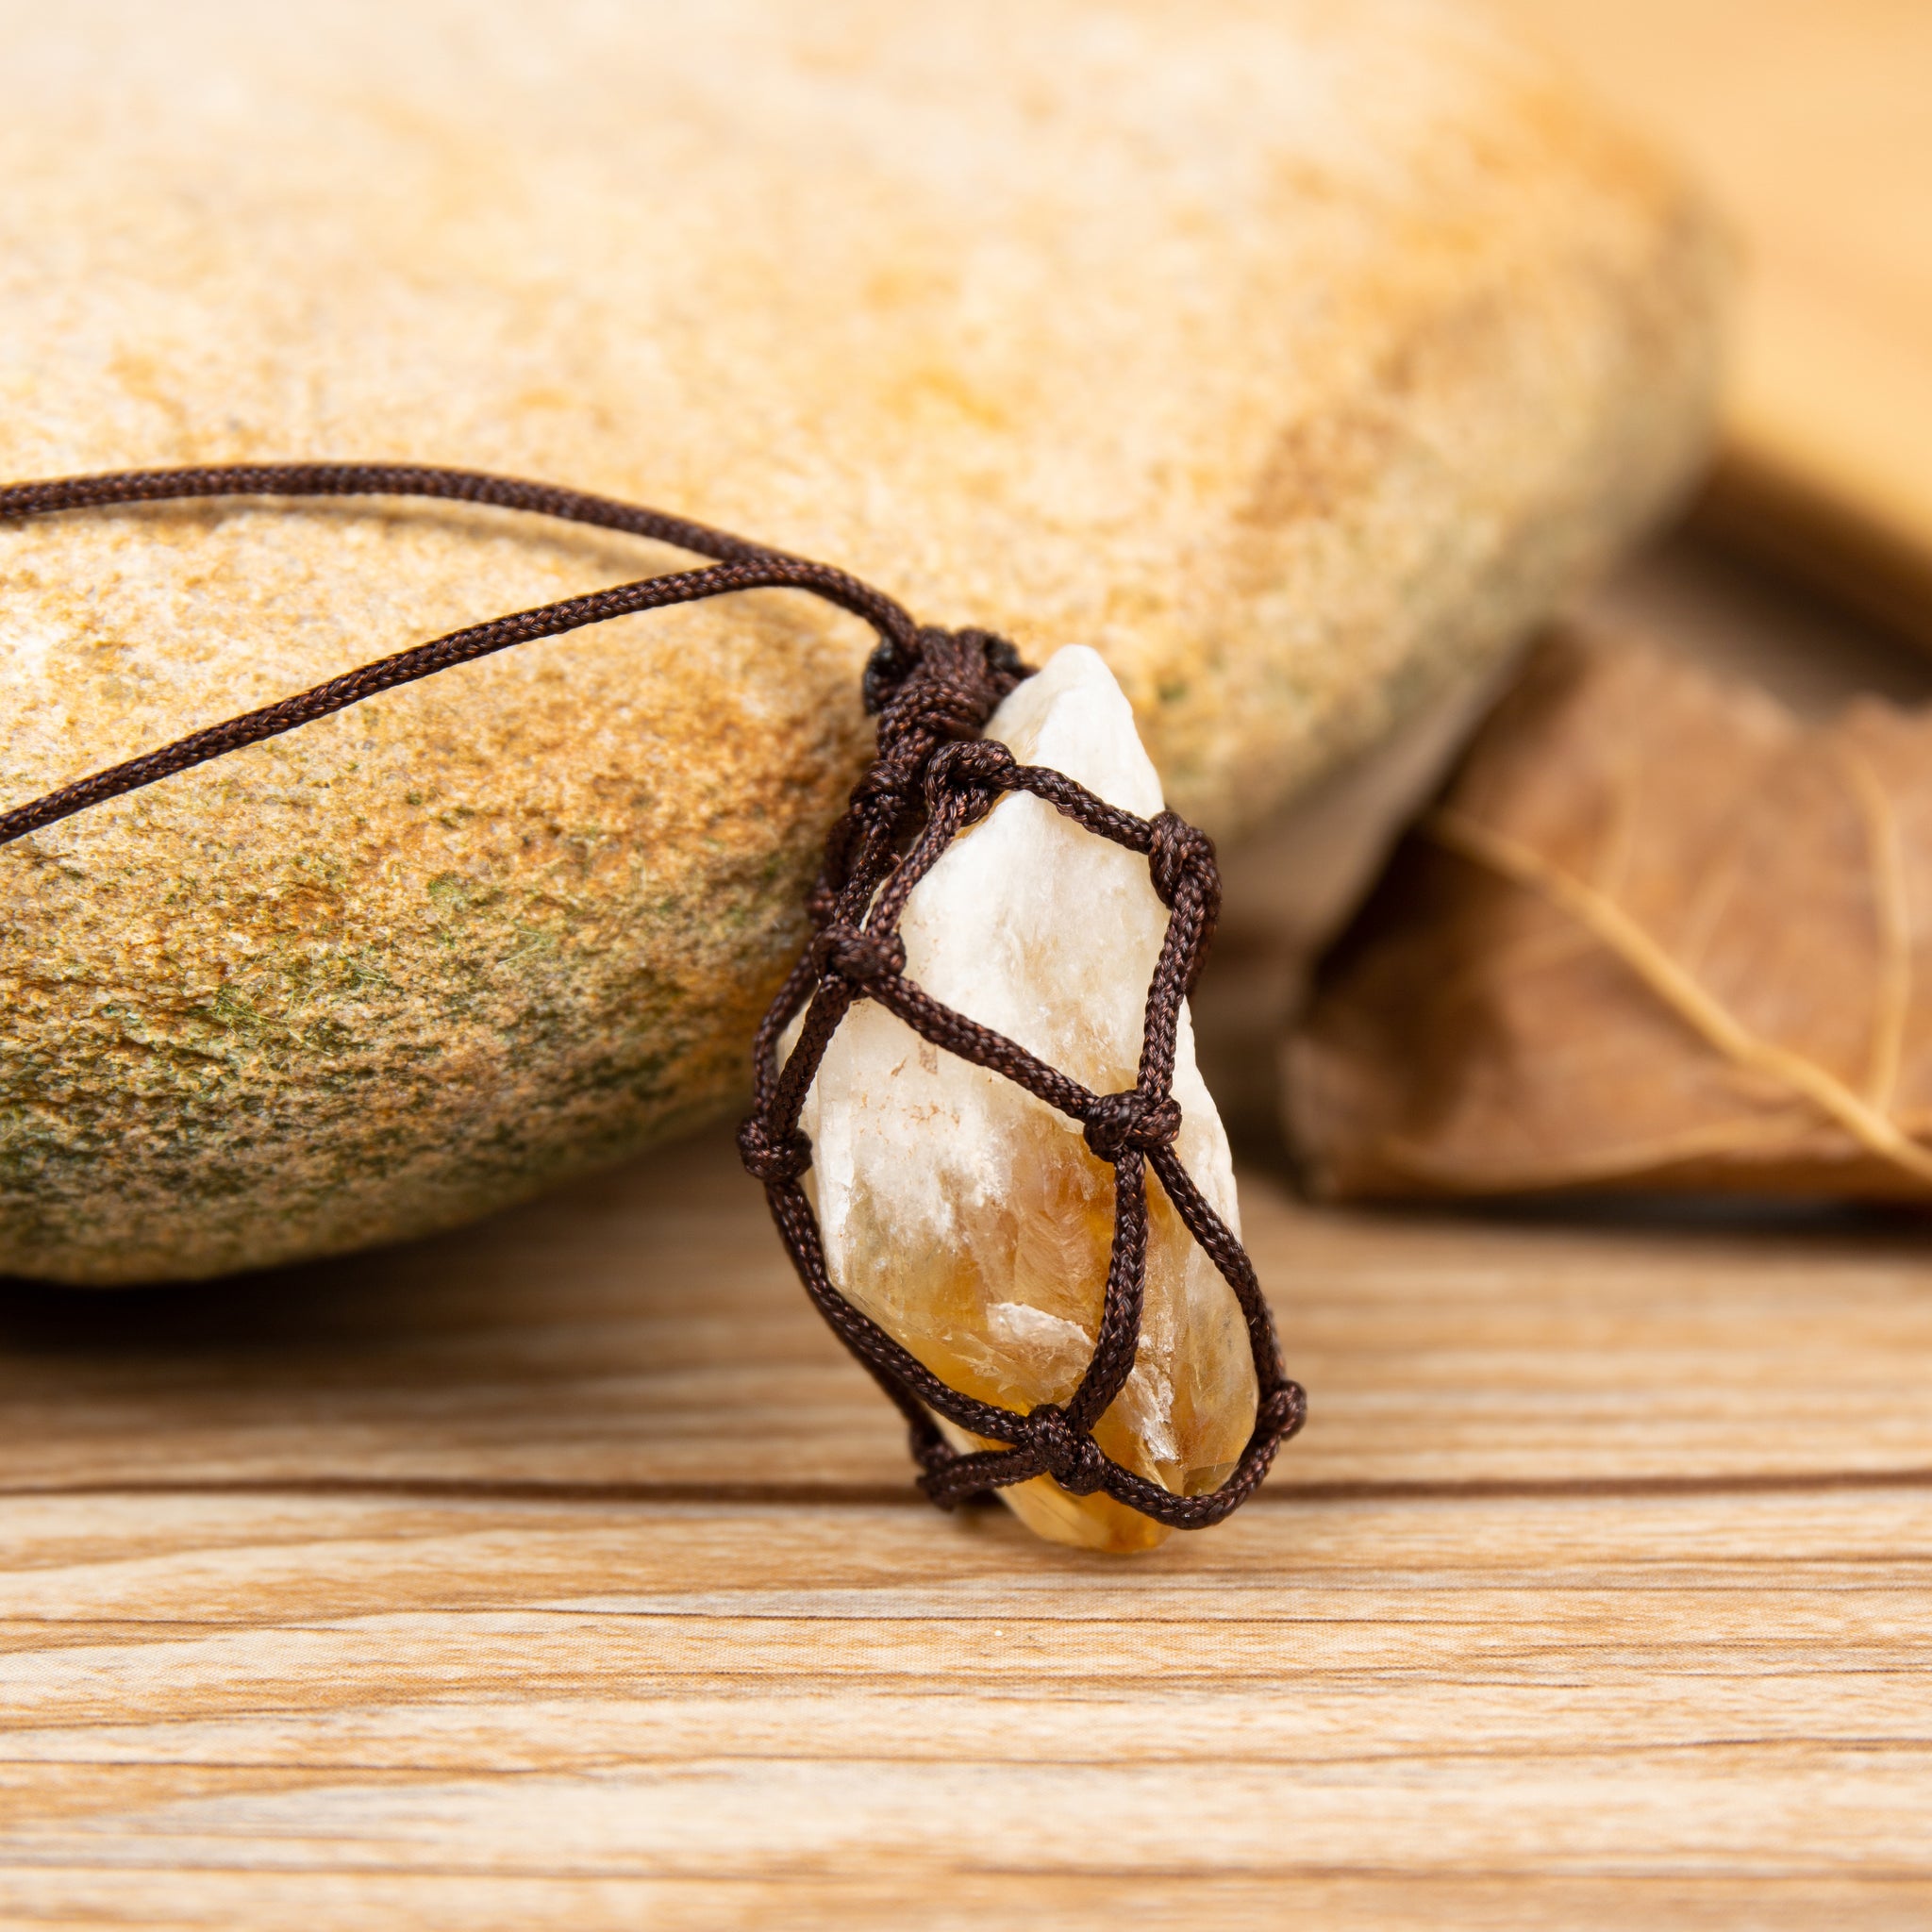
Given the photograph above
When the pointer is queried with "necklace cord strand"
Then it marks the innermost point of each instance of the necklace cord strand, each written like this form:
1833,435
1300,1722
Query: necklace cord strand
737,564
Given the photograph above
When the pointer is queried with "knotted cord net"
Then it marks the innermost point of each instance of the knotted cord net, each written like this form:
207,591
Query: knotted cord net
934,777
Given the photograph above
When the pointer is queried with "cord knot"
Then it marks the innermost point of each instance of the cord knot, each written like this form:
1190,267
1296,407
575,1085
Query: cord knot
769,1161
974,771
856,955
1070,1456
972,657
1282,1414
1175,850
1137,1120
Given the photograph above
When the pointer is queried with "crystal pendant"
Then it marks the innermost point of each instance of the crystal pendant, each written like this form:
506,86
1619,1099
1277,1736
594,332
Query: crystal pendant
968,1217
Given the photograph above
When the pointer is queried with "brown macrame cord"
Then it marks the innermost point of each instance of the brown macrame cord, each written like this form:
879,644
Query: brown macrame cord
933,776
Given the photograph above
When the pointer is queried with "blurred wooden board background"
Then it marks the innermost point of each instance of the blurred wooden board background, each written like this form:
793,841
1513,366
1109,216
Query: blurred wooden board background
1808,121
564,1572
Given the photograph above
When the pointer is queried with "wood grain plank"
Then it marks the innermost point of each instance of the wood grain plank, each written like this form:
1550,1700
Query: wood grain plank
1707,1691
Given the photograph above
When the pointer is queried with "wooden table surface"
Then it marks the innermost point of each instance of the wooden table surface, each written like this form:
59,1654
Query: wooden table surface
563,1572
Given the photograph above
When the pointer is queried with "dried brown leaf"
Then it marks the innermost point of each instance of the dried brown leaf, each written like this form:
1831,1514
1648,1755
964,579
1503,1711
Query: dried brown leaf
1657,935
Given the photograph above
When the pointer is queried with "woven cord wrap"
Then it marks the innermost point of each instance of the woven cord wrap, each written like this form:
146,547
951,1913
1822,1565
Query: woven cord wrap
934,777
932,691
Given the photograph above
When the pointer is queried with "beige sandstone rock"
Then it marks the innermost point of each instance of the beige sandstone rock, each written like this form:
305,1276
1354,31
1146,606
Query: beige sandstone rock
1297,356
968,1217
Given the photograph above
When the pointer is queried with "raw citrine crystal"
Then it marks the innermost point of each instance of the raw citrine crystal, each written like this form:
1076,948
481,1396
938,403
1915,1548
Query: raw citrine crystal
970,1219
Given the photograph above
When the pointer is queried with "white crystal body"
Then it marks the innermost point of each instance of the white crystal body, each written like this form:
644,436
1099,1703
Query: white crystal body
968,1217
